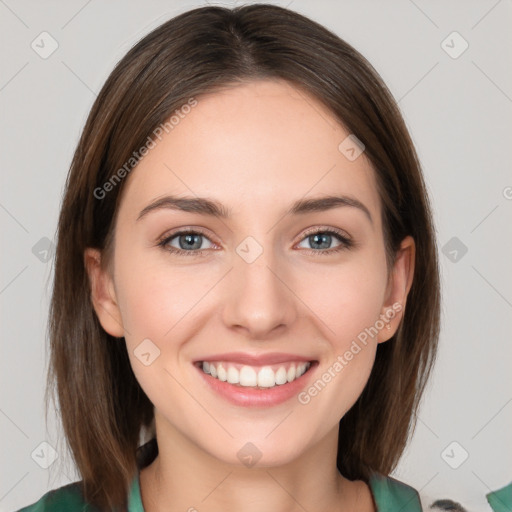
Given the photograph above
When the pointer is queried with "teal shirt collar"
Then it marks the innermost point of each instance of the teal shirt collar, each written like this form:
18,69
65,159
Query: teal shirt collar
134,497
389,494
501,500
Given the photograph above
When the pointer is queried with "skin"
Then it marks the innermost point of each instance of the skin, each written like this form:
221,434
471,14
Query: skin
256,148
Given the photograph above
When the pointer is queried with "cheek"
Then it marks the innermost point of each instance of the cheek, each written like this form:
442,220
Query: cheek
157,304
346,298
153,293
348,302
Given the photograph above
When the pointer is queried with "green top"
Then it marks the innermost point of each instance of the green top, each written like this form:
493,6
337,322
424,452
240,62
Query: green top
390,495
501,500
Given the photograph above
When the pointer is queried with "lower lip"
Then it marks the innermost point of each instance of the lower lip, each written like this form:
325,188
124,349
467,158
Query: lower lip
250,397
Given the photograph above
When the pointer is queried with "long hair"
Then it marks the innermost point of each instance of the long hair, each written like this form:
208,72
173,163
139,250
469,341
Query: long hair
102,406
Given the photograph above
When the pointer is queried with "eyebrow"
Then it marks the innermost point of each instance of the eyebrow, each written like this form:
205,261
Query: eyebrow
210,207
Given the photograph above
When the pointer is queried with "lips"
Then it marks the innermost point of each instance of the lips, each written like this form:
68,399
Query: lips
252,380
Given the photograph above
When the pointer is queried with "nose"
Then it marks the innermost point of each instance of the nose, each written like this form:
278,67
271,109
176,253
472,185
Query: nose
258,297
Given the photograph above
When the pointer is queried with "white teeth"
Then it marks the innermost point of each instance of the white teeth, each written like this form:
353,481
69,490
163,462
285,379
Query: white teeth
233,375
247,376
281,376
266,377
221,373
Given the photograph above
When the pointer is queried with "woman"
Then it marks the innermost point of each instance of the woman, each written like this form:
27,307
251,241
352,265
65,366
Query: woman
192,307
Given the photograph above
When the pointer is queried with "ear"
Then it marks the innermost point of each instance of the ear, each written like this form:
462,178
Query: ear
399,284
103,294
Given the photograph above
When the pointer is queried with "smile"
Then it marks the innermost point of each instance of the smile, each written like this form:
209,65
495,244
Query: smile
262,377
256,380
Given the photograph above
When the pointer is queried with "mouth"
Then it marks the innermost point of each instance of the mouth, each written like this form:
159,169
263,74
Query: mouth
262,377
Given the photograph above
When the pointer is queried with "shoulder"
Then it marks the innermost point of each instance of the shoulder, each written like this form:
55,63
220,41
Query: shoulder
391,494
67,498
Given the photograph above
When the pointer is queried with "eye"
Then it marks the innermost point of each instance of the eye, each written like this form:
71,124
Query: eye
319,238
189,243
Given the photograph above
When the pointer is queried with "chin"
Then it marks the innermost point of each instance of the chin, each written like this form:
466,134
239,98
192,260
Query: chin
256,454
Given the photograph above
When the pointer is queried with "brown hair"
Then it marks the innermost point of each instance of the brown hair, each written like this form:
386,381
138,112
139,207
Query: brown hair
102,406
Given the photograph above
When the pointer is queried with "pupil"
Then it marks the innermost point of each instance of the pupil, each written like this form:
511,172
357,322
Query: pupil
325,237
189,241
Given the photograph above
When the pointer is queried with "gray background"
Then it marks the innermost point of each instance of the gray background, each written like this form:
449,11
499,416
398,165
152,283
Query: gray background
459,113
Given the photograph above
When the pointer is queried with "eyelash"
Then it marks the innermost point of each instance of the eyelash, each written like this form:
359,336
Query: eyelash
346,243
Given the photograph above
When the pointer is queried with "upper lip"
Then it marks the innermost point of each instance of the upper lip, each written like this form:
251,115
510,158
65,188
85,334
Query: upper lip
255,360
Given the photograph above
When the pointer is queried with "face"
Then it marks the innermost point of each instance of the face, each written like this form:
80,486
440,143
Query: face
307,287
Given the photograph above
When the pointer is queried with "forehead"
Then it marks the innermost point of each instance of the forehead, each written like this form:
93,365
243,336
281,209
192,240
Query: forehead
259,145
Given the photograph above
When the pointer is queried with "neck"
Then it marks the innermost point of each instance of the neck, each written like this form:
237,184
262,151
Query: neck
184,477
